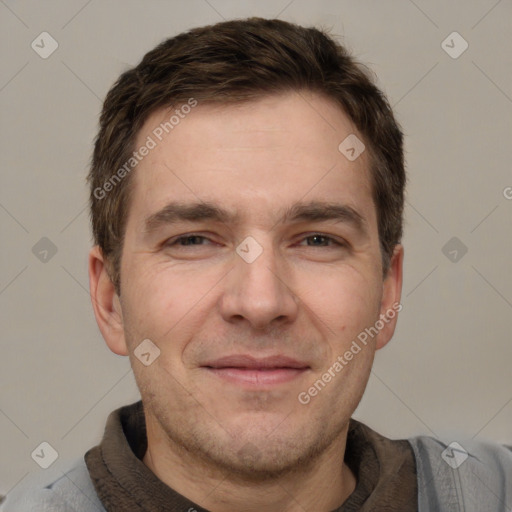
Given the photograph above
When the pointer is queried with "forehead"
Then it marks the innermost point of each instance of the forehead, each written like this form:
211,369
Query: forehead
261,154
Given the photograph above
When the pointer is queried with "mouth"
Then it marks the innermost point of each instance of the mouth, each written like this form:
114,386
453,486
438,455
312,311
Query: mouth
250,371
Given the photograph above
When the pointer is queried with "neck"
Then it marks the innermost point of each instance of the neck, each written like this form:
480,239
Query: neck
322,486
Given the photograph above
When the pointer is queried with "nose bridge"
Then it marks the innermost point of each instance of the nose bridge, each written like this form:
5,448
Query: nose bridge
262,274
257,289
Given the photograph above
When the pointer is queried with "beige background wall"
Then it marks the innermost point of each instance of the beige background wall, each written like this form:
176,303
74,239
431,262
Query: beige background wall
447,372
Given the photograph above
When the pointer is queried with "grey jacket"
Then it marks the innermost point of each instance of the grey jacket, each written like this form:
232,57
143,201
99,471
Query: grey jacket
448,481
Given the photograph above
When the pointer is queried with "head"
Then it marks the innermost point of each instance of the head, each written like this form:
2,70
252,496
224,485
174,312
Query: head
229,221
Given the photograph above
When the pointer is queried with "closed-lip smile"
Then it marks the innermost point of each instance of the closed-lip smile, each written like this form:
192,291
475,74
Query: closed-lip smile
251,371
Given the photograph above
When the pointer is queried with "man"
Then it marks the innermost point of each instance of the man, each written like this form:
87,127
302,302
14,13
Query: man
247,193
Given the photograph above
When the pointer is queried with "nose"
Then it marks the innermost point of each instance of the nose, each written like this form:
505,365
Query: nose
259,292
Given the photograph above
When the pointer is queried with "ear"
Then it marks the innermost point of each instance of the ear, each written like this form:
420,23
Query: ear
105,303
391,294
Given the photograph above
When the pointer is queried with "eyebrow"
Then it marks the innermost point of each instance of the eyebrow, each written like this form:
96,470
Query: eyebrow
318,211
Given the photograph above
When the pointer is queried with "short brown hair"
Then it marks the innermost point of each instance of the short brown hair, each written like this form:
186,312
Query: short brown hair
233,61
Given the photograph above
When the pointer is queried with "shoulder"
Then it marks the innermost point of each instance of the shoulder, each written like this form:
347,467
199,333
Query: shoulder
470,475
72,491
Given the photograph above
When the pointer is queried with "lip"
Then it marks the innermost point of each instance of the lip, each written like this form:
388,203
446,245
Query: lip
252,371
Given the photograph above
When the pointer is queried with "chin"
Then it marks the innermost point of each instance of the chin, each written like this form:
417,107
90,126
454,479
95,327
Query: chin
262,455
257,464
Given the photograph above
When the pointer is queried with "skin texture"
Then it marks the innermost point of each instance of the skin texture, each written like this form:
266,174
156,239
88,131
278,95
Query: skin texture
226,445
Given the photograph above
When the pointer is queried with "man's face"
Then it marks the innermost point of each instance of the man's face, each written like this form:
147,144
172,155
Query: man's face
245,325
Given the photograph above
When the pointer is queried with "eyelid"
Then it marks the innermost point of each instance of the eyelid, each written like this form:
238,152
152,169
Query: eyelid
337,240
172,242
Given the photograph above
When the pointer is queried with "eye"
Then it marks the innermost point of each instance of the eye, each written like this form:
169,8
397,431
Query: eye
186,240
189,240
320,240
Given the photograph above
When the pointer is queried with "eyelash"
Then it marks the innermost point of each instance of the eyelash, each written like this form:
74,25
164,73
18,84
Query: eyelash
173,242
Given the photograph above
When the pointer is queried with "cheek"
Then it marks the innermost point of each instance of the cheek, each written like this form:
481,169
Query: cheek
166,306
345,299
161,301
